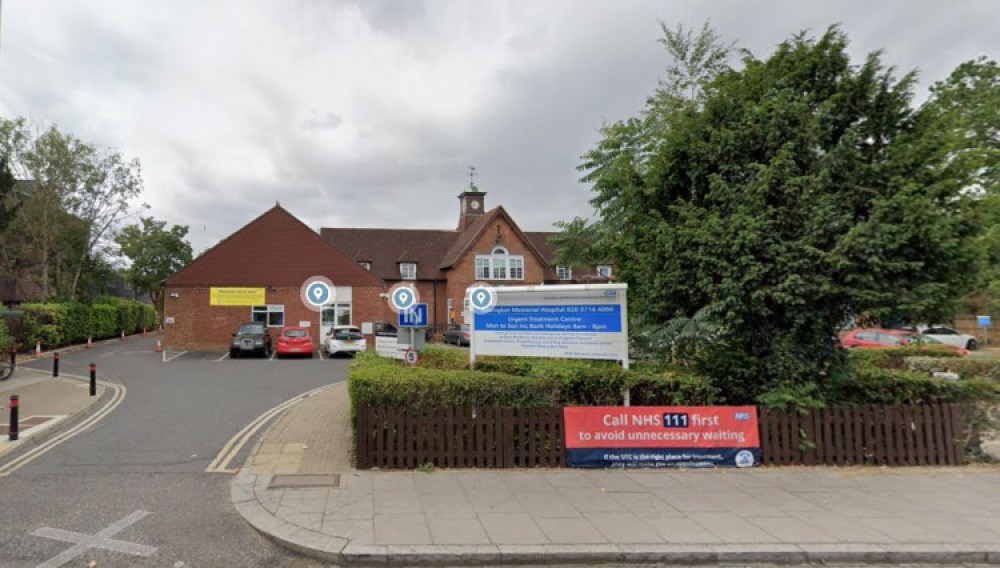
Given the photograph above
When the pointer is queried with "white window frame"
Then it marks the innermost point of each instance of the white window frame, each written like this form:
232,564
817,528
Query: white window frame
564,272
338,312
276,310
408,270
499,265
605,266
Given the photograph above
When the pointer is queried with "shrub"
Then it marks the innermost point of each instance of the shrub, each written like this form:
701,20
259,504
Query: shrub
103,321
965,367
869,385
49,323
77,322
6,340
893,358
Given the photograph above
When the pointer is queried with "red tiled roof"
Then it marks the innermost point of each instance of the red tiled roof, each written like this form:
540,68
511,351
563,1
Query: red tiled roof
386,248
275,249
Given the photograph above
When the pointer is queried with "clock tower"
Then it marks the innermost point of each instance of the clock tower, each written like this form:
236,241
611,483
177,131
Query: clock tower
471,206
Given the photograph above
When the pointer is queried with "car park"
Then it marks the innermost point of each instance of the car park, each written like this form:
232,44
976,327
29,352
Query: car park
950,336
887,338
295,340
251,338
458,335
344,339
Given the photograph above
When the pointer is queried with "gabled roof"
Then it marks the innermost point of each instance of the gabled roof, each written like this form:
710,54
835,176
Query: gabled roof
386,248
475,230
275,249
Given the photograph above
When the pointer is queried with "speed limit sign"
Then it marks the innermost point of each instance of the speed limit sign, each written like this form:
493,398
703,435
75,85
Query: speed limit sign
411,357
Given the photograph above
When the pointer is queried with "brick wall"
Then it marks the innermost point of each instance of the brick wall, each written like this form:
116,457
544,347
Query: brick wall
463,274
200,327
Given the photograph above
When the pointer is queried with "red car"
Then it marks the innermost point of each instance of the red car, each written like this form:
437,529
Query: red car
862,338
295,340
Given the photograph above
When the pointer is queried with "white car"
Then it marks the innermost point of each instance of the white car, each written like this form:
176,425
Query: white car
344,339
949,336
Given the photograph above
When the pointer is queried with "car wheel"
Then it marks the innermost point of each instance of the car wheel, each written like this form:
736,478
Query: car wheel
234,354
972,345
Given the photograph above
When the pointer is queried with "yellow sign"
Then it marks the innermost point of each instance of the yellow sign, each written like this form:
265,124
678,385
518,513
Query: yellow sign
236,297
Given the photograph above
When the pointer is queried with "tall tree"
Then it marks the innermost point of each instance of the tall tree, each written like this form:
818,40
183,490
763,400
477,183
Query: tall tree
788,195
155,254
9,201
76,194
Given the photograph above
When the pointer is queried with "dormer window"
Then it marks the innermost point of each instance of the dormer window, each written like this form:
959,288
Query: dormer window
564,272
499,265
408,270
366,265
604,270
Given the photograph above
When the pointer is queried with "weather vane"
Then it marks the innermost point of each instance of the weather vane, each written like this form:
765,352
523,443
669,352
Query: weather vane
472,175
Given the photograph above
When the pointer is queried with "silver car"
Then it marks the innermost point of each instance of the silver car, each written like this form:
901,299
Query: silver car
949,336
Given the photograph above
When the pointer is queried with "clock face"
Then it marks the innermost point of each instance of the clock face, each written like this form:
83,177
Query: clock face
474,204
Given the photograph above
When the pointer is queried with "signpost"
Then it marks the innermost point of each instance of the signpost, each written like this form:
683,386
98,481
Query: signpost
985,322
414,317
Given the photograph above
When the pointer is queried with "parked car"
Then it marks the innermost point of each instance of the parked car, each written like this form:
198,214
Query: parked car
390,329
250,338
868,338
344,339
459,335
295,340
949,336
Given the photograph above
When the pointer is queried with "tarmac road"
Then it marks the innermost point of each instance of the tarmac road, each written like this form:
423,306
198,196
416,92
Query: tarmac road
139,476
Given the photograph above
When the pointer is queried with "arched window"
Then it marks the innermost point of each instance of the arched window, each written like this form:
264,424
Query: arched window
499,265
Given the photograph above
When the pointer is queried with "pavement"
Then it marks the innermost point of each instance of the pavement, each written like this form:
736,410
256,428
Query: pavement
299,489
46,405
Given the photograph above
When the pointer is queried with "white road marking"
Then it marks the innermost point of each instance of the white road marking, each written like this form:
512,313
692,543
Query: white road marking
235,444
223,358
320,351
119,395
174,356
273,355
84,542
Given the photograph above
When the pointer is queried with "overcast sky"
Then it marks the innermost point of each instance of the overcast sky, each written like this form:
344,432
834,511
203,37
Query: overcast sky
368,114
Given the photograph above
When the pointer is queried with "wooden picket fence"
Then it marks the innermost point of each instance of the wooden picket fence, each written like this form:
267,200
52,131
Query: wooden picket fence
863,435
465,437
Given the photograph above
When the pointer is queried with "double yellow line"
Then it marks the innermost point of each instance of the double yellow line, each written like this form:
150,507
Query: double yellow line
222,461
117,397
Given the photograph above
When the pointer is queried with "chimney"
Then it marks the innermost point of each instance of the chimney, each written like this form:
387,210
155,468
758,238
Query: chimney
472,204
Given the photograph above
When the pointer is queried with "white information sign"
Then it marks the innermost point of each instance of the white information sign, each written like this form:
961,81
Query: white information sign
574,321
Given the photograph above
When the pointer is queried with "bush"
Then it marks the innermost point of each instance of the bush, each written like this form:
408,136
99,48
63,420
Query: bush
77,324
869,385
522,382
6,340
103,321
965,367
893,358
49,323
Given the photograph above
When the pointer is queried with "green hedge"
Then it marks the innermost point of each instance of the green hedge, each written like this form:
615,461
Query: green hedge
965,367
870,385
893,358
60,324
443,379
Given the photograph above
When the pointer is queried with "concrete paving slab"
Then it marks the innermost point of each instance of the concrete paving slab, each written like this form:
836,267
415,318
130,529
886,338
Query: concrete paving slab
457,531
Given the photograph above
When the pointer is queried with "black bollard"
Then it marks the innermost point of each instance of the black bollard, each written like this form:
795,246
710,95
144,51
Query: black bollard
93,379
14,404
55,364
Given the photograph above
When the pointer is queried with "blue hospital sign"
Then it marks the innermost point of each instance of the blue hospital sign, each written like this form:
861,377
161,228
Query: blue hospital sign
576,321
414,317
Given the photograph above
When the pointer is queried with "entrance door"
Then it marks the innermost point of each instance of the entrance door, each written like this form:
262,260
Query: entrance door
334,314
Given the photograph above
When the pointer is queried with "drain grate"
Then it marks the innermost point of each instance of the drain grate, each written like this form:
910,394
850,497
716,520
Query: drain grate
302,481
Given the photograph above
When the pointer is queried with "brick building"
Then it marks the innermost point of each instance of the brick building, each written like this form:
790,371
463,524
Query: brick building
267,262
486,246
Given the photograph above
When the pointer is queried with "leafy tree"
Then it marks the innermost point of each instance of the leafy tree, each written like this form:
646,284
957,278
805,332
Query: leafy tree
155,254
9,201
781,198
76,194
964,114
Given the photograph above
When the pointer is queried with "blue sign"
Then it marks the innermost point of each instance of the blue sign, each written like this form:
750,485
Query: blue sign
984,321
597,318
414,317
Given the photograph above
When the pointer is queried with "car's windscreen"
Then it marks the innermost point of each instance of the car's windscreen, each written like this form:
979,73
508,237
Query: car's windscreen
251,329
347,334
295,333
